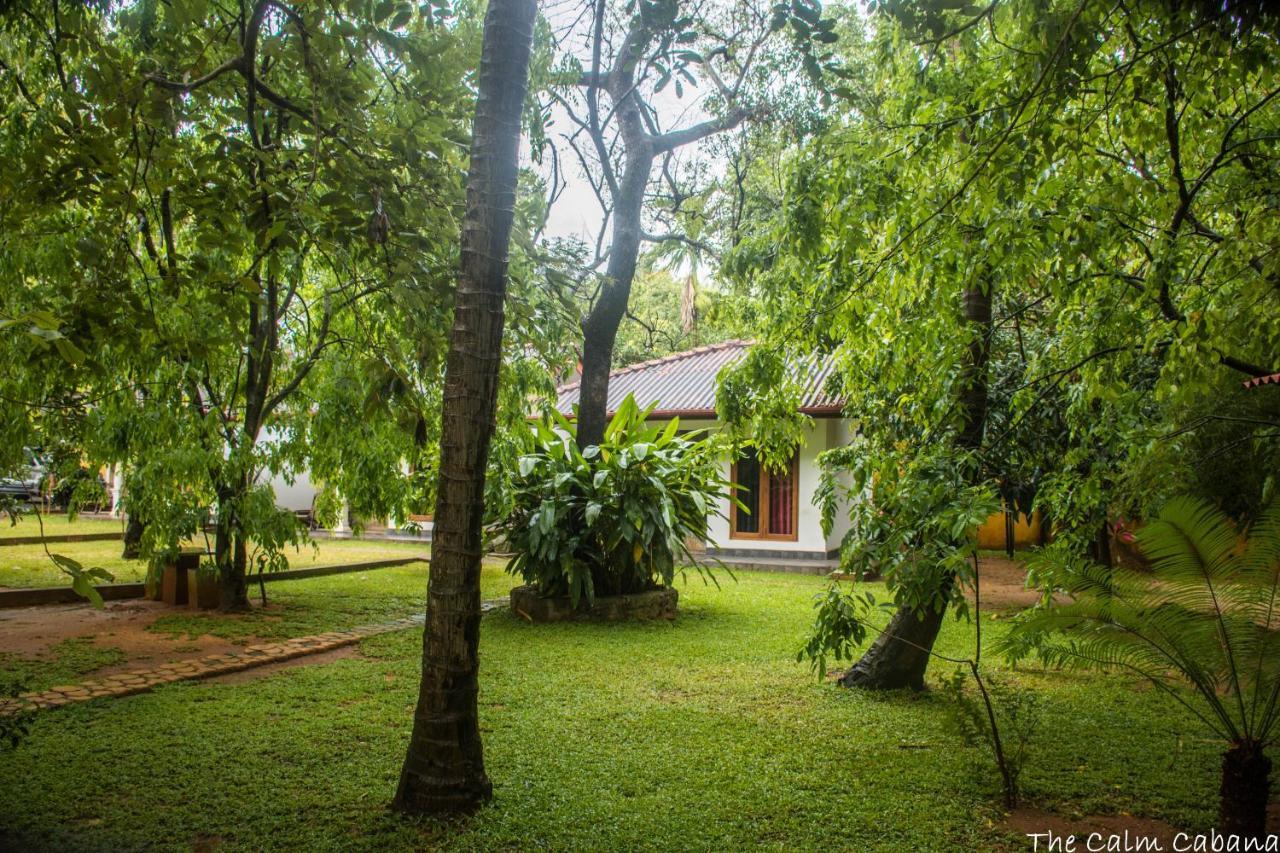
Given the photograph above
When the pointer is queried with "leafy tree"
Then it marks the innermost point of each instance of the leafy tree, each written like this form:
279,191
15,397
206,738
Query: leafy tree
1204,617
249,184
444,769
652,328
1054,160
633,54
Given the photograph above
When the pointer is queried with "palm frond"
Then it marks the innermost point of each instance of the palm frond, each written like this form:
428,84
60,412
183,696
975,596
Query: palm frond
1206,615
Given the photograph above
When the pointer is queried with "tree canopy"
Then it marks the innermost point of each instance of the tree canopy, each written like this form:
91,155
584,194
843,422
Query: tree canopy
1106,176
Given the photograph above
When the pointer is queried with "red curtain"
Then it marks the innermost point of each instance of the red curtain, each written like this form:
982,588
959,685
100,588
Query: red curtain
781,503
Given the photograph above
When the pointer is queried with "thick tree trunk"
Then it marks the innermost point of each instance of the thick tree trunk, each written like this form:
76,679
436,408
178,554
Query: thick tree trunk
1246,787
899,656
229,553
444,769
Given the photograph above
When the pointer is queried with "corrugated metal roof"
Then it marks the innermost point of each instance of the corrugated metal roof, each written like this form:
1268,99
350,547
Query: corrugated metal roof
1272,379
684,384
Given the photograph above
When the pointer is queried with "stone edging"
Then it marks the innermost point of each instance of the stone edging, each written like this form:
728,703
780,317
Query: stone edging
135,681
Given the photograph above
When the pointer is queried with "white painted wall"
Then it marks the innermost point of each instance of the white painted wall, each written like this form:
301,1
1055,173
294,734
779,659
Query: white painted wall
826,432
839,433
295,496
293,489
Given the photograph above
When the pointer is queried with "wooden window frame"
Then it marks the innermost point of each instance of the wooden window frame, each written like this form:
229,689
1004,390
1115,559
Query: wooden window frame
763,508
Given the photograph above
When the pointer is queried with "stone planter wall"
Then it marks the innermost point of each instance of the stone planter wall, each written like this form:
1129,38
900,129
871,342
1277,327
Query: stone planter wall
657,603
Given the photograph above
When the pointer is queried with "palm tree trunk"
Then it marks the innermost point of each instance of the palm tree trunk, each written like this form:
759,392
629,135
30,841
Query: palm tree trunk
899,656
1246,787
444,769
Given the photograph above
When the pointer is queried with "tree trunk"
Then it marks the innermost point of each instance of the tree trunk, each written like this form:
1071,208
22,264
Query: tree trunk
1246,787
133,530
600,327
229,555
444,769
899,656
1100,549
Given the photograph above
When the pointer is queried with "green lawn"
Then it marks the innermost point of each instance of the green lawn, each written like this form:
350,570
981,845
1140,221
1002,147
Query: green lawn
66,662
56,525
315,605
29,565
698,735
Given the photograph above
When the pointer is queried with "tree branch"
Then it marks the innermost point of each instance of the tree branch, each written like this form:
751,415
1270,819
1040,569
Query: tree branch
235,64
674,139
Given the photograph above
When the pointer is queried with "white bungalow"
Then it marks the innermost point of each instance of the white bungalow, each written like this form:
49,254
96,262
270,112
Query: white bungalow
784,529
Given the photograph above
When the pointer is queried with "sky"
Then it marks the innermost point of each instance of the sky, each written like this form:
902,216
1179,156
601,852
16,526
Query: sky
576,212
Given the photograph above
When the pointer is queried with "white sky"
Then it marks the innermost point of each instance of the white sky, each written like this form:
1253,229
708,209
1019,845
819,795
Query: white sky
576,212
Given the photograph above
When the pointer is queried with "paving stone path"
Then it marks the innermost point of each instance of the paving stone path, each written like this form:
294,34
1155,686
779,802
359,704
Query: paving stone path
142,680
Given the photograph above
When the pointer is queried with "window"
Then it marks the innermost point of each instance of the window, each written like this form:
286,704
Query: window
770,499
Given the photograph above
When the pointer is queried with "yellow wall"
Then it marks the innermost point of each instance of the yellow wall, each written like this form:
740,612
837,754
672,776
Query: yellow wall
1026,532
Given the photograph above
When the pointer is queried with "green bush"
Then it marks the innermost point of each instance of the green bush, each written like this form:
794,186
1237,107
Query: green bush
611,519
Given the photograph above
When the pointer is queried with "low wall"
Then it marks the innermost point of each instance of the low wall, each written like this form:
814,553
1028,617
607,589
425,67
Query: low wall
657,603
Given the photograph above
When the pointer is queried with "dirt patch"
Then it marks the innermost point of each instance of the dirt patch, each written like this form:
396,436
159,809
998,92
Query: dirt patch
1026,821
31,631
1004,585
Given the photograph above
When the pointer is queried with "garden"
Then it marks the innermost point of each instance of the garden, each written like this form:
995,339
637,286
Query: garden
704,733
639,425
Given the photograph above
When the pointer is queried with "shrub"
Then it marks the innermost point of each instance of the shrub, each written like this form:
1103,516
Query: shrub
1204,617
611,519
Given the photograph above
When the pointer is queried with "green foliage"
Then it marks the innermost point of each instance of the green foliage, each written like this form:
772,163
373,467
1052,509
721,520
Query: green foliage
1204,616
613,519
82,578
840,626
913,512
655,326
759,399
1108,178
252,221
914,517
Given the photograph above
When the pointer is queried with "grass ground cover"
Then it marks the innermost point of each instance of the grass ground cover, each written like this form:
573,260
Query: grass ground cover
67,662
56,524
315,605
702,734
30,566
